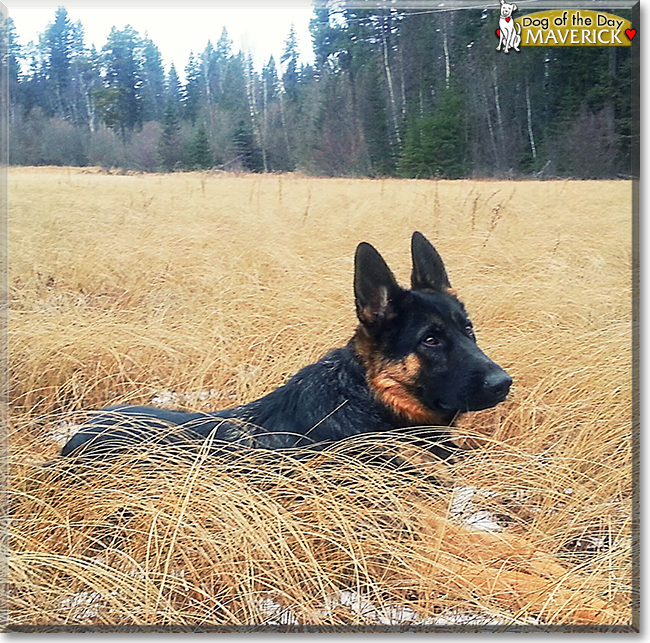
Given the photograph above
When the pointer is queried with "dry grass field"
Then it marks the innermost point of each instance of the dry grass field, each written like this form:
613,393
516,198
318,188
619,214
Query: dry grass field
202,291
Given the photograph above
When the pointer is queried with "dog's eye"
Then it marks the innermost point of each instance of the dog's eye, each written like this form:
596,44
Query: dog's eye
430,340
469,329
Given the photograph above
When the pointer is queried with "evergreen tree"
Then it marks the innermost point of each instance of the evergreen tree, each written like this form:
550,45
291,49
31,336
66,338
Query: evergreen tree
200,155
169,146
435,145
233,96
34,92
248,153
173,91
208,73
214,64
121,100
291,76
223,50
219,64
193,89
12,52
152,88
270,81
57,42
376,125
325,35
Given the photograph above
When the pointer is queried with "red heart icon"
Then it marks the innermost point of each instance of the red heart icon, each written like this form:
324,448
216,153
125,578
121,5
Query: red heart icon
498,33
507,19
630,33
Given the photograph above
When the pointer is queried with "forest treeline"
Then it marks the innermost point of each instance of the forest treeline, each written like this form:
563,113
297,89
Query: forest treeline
390,93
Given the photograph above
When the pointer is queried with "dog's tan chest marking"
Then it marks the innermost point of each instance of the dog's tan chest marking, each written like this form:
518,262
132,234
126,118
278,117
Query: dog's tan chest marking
392,382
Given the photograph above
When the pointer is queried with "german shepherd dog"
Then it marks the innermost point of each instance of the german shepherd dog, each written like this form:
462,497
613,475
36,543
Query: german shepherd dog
413,361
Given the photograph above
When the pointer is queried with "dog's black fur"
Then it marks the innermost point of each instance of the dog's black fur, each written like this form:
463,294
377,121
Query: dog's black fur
413,361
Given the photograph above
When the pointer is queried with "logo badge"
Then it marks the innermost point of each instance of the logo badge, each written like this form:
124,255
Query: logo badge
562,28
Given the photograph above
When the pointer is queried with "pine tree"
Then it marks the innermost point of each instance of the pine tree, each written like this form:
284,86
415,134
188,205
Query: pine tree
122,77
218,66
12,50
376,125
200,155
151,92
57,45
169,146
223,49
233,95
435,145
193,89
249,154
289,58
173,86
270,81
325,36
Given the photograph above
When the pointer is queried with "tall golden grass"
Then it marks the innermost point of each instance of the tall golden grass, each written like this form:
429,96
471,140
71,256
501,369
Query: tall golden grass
212,289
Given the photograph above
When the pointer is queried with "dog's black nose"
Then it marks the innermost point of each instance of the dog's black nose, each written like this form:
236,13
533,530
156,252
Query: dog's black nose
497,384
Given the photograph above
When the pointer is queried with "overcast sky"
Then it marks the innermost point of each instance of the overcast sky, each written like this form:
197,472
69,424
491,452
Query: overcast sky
259,28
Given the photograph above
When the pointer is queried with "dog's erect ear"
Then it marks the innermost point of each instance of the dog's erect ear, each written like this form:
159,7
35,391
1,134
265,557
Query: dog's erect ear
375,289
428,270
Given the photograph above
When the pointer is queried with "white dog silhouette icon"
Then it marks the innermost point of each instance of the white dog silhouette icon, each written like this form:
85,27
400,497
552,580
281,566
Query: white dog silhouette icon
509,32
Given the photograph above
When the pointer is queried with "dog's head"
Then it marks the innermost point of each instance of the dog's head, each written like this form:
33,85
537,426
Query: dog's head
418,345
507,9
